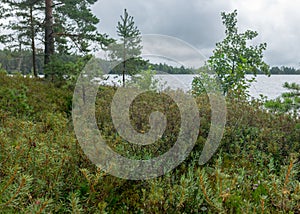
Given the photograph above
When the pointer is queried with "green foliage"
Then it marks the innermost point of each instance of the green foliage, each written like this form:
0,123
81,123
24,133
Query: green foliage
2,71
22,14
64,69
24,25
75,26
71,27
126,30
25,97
288,102
204,83
20,61
16,100
126,54
43,169
233,58
145,80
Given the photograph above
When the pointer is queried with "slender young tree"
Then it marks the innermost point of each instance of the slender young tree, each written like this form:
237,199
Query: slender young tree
129,50
233,58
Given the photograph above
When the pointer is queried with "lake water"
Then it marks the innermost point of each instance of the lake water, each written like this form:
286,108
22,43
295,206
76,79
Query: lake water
267,86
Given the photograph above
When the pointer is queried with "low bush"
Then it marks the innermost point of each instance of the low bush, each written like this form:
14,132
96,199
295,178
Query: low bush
44,170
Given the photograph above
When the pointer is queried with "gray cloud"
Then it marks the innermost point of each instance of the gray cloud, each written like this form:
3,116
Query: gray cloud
198,22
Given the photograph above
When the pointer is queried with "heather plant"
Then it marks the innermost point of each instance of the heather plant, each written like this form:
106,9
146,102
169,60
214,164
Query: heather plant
44,170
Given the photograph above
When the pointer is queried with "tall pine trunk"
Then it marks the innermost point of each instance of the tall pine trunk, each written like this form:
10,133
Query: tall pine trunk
49,37
33,42
124,63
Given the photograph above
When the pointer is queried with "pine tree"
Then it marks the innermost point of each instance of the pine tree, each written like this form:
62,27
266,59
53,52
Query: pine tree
61,26
49,34
70,26
129,50
288,101
23,25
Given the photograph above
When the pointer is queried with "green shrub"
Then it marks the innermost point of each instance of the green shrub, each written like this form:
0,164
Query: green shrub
44,170
288,102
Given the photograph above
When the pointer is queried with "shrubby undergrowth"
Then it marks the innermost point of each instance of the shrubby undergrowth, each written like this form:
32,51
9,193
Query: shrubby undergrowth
43,169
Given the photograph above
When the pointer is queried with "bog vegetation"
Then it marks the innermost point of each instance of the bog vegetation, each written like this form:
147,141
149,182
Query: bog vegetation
43,169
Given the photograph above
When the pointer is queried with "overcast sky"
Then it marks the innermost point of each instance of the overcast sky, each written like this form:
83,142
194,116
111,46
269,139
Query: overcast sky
199,23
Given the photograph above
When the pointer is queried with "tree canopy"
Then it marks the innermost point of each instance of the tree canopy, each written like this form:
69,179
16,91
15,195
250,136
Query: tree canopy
128,51
56,26
233,57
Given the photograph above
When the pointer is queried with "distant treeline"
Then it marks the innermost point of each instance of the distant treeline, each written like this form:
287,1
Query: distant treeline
284,70
20,61
164,68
